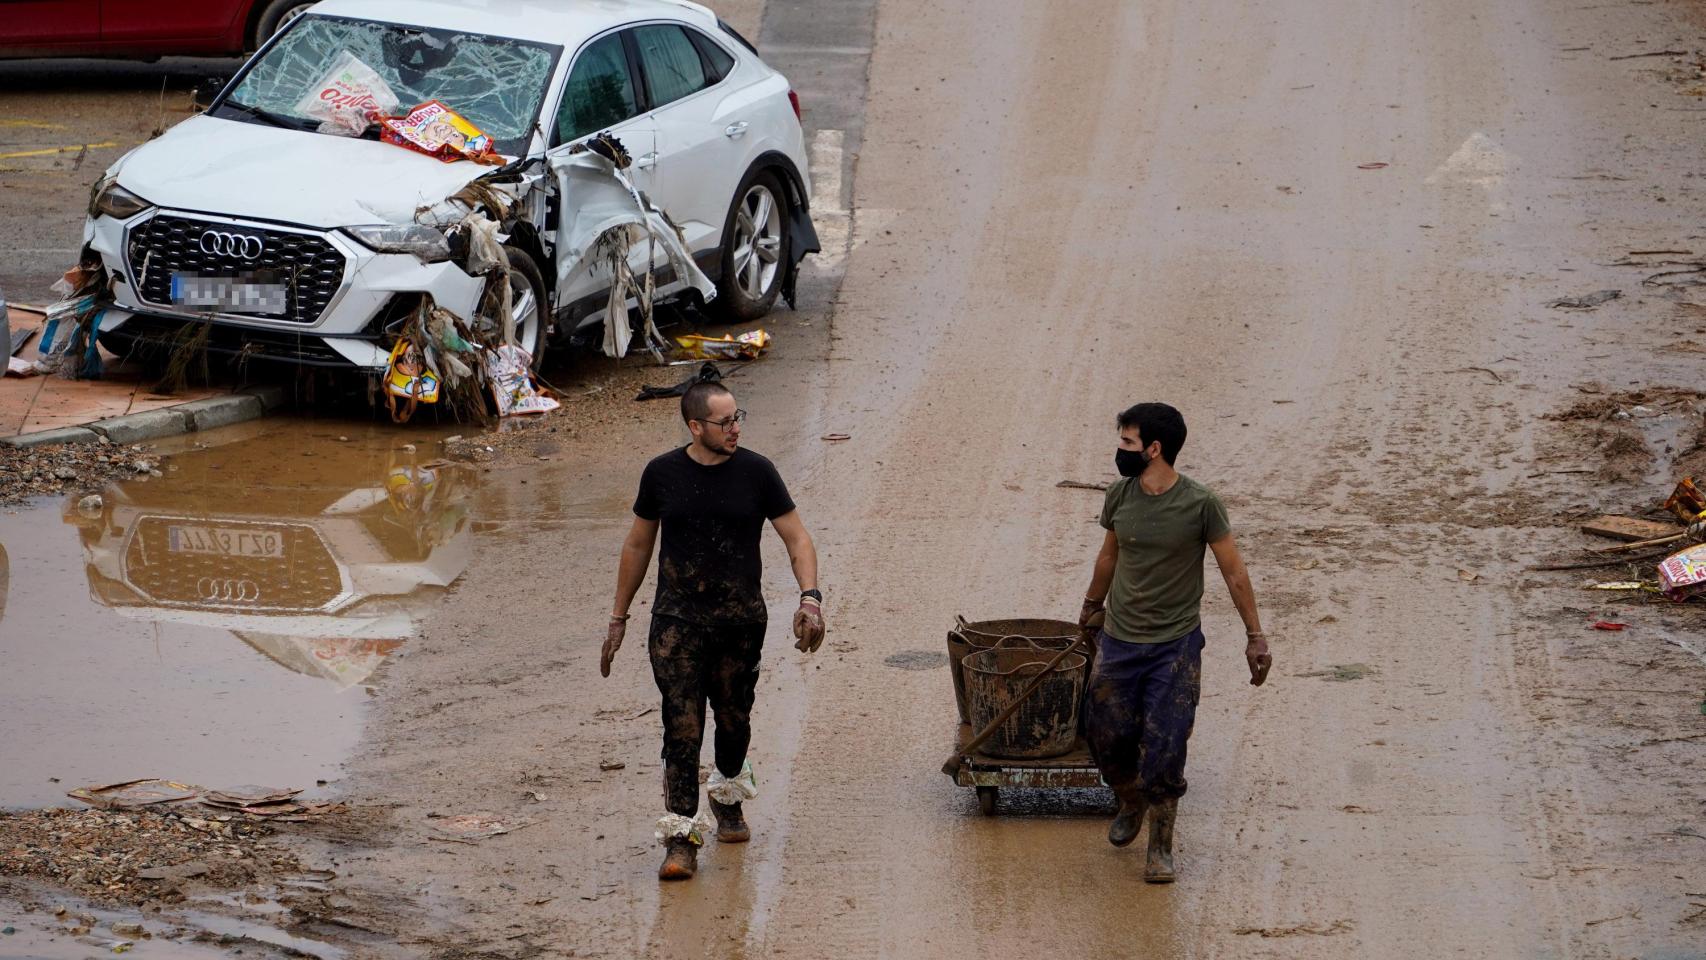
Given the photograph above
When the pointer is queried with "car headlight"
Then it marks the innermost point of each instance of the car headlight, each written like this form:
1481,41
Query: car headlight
424,242
108,199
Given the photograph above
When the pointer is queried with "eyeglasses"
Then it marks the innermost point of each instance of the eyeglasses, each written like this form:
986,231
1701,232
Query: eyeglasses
724,424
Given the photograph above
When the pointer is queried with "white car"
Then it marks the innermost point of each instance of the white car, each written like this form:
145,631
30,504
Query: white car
307,246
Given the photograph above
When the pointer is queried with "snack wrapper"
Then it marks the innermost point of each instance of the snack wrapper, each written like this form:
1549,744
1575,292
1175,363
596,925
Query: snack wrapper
508,368
349,97
438,131
747,346
1683,573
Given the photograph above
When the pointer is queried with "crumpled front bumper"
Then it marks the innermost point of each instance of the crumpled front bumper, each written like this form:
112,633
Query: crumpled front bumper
348,331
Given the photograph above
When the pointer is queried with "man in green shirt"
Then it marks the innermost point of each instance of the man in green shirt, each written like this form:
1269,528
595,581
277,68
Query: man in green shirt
1144,689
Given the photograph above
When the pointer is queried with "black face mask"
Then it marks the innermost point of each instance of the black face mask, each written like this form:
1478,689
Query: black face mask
1130,463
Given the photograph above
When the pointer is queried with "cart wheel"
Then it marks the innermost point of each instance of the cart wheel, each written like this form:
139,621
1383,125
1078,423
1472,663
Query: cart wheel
987,798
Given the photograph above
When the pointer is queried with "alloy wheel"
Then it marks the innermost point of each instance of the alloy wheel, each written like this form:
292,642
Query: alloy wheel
758,242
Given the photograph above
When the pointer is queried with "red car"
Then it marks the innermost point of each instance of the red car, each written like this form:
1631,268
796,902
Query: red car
143,29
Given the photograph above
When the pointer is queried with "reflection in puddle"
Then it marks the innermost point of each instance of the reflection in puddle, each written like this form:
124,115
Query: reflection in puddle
118,632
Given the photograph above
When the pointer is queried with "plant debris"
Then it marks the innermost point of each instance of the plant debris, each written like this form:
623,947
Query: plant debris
27,472
1585,302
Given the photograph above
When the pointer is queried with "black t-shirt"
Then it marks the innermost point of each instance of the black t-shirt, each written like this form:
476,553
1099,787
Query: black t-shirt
712,517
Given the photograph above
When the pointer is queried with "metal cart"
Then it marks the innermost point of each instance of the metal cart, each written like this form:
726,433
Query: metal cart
988,774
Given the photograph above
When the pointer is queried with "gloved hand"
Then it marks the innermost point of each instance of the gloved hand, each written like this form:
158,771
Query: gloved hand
612,643
808,626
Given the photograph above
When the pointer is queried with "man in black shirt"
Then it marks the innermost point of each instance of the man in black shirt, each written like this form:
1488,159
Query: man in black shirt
711,499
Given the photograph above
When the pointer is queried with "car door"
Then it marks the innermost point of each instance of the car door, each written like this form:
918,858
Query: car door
49,26
702,143
129,23
601,94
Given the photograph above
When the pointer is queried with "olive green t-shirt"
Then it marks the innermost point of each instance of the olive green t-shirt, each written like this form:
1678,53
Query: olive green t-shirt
1157,588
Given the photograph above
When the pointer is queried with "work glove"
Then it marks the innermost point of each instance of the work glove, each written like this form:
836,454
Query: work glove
612,643
1256,654
808,626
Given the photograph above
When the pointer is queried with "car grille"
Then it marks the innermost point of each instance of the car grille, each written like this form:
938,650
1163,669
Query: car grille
309,266
304,578
148,337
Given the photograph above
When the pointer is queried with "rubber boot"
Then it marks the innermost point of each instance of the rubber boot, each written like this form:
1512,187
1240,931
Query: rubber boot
1127,822
681,862
1159,869
731,825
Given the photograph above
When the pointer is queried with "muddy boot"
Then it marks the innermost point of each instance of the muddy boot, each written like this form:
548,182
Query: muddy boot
731,825
1159,869
1126,823
681,862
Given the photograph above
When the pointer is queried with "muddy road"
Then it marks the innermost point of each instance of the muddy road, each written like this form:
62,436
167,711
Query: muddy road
1328,234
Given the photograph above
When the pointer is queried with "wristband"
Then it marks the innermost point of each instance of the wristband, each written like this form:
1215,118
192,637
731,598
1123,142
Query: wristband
624,618
812,594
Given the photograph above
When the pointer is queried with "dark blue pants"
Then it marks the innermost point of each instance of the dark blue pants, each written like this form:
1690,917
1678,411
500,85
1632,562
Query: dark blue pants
1140,709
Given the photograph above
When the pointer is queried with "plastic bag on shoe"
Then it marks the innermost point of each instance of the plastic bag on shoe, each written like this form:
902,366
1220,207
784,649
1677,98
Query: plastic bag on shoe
674,826
727,791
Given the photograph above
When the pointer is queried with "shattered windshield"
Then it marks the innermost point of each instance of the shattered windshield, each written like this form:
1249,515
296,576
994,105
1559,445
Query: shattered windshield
496,83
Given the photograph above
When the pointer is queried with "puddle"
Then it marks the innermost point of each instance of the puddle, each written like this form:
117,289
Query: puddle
219,625
172,935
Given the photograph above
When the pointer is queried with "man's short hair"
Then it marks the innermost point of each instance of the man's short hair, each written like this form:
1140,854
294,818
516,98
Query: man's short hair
696,402
1157,422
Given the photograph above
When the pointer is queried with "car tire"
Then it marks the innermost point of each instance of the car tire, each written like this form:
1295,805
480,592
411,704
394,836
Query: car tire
525,278
747,290
275,14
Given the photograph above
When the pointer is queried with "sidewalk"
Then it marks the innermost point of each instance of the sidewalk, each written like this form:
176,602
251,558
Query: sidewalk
32,405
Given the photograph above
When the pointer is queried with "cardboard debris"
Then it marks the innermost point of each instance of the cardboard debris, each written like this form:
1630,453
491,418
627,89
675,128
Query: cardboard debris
474,827
135,793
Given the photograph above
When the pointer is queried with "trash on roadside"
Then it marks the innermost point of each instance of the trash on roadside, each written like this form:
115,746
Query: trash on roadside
174,872
254,801
747,346
135,793
348,98
1373,165
1627,529
1683,573
1621,585
509,370
1608,625
439,132
407,376
836,437
19,367
68,346
474,827
1585,302
1343,672
708,372
1081,485
1686,501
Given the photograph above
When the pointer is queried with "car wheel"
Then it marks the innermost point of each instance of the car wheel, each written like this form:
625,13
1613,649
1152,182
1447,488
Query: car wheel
755,249
275,16
527,306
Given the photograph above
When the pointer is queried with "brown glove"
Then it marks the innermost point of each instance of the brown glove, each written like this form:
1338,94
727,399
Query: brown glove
808,626
1088,612
612,643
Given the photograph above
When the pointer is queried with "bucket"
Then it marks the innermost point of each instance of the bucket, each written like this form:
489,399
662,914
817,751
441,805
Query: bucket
971,636
1046,722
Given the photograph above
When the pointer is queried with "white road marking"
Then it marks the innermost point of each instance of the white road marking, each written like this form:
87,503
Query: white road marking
825,158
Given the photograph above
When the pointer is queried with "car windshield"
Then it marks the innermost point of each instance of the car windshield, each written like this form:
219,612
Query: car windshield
496,83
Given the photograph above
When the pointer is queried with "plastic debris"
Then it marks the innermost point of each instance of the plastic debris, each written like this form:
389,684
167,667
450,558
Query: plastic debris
1621,585
407,377
474,827
509,370
1373,165
1608,625
438,131
674,826
348,98
741,787
707,373
1686,501
747,346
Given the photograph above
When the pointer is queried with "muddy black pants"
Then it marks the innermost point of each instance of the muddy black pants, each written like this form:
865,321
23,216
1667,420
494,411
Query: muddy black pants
694,663
1140,709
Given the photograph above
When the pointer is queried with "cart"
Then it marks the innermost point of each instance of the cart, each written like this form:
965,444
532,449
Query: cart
1075,768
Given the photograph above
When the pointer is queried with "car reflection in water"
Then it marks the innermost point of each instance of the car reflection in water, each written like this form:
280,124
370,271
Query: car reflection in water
324,578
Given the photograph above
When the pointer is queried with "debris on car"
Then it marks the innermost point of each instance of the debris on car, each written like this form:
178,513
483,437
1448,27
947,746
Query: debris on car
348,97
68,344
439,132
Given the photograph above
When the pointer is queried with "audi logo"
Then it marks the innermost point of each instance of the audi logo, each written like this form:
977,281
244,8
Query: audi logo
228,590
218,243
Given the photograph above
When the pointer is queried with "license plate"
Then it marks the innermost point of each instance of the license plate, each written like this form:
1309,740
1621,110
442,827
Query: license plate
229,294
224,541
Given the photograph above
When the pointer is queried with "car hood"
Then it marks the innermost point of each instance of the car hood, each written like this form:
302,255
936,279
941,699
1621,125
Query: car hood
240,169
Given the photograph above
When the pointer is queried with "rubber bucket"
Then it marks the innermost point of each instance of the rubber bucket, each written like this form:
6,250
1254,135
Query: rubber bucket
1046,723
968,637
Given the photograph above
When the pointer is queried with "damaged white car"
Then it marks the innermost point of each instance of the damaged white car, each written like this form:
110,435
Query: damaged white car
290,221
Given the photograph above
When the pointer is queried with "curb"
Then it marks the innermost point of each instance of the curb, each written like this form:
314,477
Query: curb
250,403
